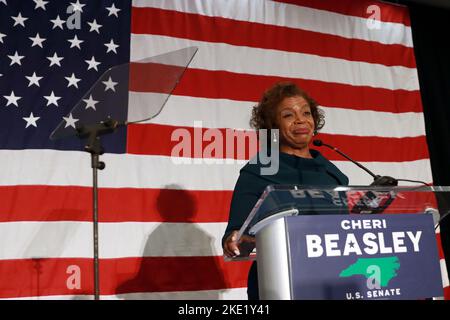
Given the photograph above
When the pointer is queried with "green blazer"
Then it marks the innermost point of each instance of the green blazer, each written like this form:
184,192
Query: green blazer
292,170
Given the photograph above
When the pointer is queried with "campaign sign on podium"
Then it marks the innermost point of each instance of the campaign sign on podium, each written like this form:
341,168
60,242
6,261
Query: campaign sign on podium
364,257
339,242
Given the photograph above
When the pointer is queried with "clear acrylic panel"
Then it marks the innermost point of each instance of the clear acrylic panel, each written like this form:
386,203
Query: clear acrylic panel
153,78
279,201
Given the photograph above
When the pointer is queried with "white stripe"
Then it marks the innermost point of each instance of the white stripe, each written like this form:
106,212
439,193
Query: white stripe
444,273
373,123
213,113
292,16
146,105
239,59
26,240
49,167
134,239
225,294
224,113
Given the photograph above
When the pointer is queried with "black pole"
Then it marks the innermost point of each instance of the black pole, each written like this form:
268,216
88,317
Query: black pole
95,150
92,133
95,162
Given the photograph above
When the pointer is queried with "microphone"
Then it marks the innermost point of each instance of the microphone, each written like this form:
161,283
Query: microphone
378,180
370,202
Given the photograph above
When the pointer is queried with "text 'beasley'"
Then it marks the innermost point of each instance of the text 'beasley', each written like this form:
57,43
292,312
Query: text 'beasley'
370,243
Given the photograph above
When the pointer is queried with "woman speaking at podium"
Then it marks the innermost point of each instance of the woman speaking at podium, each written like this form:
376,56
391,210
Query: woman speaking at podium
289,109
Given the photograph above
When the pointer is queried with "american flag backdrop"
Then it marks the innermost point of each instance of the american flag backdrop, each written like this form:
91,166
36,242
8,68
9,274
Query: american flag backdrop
161,221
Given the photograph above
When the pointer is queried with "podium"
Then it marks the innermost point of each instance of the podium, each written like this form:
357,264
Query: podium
347,242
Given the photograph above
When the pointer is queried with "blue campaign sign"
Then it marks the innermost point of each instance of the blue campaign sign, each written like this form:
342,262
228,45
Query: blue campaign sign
388,256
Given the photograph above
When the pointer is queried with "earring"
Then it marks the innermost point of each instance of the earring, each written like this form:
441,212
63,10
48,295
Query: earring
275,133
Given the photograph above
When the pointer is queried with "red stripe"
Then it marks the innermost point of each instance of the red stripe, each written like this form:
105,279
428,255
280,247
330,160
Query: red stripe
359,148
389,12
176,274
258,35
372,149
50,276
44,277
229,85
440,249
69,203
143,72
45,203
139,144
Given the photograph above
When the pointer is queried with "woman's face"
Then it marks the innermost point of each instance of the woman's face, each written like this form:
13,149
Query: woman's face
296,122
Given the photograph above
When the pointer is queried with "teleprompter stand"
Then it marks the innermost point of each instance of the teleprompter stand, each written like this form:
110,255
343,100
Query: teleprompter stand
105,108
94,146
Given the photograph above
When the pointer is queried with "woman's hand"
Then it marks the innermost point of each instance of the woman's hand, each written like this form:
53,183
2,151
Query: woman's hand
231,246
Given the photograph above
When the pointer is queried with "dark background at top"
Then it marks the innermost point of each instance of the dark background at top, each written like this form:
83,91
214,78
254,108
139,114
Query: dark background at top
430,25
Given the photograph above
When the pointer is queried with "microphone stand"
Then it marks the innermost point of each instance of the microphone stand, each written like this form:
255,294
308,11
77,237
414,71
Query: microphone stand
95,148
362,205
378,180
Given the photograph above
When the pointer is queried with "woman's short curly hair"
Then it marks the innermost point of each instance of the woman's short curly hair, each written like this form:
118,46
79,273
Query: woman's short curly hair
264,114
